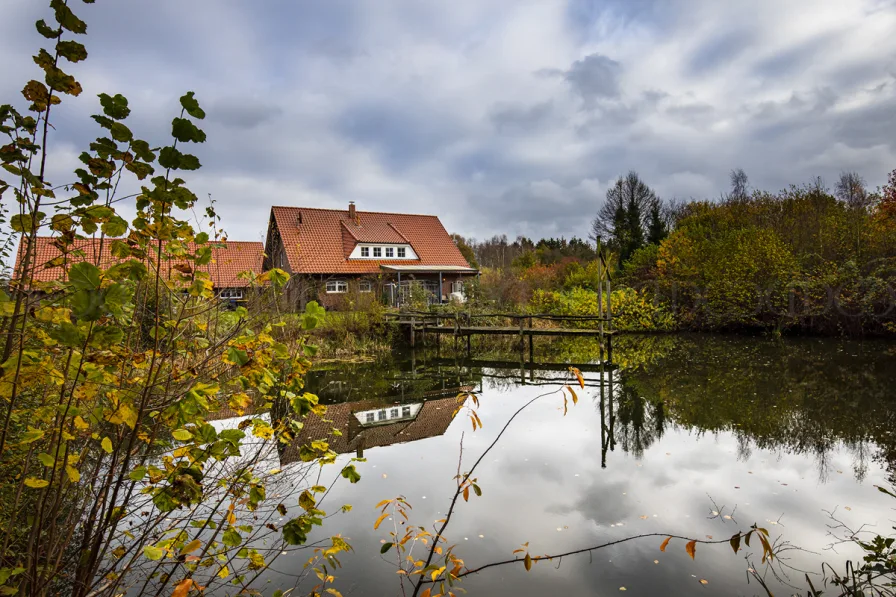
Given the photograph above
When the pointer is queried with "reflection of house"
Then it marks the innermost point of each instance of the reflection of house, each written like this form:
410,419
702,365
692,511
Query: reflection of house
339,255
371,424
229,260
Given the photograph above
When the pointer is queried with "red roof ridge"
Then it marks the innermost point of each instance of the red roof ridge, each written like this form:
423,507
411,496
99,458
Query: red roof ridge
359,212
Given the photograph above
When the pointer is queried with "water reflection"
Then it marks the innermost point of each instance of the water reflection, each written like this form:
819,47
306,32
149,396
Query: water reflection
772,427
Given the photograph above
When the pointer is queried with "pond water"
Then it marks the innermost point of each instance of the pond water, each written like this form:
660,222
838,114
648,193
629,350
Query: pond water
687,435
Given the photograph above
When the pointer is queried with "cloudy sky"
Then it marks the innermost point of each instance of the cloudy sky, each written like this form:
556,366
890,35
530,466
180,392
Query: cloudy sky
499,116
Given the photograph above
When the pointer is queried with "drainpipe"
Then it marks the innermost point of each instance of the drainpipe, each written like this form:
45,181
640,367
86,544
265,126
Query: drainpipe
440,288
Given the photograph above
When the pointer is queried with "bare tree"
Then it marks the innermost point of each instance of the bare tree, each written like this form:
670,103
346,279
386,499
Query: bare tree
627,192
739,185
850,189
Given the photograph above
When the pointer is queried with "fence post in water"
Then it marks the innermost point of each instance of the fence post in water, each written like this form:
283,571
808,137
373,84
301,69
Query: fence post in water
531,347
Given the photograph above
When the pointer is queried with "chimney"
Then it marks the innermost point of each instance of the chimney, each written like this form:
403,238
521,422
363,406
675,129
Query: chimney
299,219
351,210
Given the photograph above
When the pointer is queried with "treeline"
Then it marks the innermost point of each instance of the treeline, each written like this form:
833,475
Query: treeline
808,258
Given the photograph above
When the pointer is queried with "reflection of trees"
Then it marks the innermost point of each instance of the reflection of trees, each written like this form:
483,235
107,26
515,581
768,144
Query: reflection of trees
800,396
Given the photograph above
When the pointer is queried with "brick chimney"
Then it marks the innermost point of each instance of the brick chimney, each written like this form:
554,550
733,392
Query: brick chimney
351,210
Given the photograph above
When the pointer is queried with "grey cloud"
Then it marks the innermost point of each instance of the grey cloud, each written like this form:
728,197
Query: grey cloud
242,112
716,51
695,114
594,77
785,63
515,117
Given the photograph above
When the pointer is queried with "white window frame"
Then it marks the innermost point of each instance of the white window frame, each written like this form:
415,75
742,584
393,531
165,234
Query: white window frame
233,294
377,251
336,287
365,286
370,417
405,411
390,252
402,252
365,251
457,286
393,413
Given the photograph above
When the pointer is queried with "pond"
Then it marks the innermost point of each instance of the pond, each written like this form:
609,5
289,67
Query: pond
697,436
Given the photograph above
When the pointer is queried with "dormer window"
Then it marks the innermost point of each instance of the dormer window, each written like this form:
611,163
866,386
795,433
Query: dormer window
368,250
377,252
402,252
390,252
365,251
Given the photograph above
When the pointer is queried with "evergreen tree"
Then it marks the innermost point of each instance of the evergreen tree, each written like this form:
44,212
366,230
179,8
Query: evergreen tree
657,229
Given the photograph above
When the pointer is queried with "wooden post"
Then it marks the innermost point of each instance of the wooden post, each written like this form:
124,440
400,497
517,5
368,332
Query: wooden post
609,306
413,339
531,346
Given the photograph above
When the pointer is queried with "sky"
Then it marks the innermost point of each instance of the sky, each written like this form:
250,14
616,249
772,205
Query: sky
501,117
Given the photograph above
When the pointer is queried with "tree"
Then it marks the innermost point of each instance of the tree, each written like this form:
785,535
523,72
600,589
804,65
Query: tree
466,250
850,189
657,229
622,219
739,185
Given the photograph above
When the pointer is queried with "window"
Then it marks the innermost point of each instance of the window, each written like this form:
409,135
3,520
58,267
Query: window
365,251
393,414
381,415
457,286
365,286
377,252
369,417
335,286
401,252
390,252
231,294
405,411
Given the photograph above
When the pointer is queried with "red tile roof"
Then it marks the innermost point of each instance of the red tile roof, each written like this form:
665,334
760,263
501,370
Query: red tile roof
321,243
226,265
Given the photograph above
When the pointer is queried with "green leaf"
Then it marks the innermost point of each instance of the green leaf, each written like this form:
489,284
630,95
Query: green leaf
137,474
120,249
115,106
153,553
385,547
67,333
182,435
140,169
185,131
120,132
351,474
295,532
235,355
46,30
87,305
67,18
46,460
72,51
106,336
232,538
116,226
59,80
142,151
191,105
84,276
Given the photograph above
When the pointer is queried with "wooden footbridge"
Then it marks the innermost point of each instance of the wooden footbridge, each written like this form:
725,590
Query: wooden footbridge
417,325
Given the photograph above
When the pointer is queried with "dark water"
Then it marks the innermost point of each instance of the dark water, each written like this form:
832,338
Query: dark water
685,427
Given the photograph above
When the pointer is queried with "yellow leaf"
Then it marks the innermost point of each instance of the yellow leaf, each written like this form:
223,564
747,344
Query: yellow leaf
691,548
191,546
426,593
575,399
380,520
527,562
107,445
73,474
665,543
36,483
224,572
81,423
334,592
703,581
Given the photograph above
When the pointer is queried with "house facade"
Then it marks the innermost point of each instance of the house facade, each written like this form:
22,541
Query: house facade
340,257
230,259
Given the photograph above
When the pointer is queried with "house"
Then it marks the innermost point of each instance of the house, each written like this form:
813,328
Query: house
229,260
334,255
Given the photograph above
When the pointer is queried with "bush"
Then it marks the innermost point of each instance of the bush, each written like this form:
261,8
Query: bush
632,310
